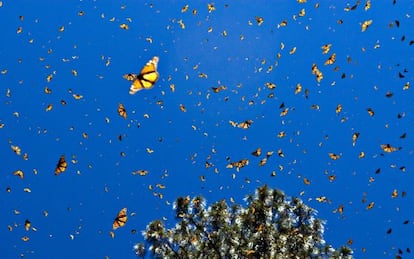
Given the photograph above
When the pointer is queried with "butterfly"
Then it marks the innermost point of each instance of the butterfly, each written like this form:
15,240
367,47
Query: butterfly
146,78
388,148
331,59
122,111
245,124
121,219
16,150
365,25
257,152
27,225
317,72
370,112
61,165
334,156
19,173
326,48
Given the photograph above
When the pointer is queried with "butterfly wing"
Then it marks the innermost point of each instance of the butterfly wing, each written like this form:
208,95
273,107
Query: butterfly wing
136,86
121,219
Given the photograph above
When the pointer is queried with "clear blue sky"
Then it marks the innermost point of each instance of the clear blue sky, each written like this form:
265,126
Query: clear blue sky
232,49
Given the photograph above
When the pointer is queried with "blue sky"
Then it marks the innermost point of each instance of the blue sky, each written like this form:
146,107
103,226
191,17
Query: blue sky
98,182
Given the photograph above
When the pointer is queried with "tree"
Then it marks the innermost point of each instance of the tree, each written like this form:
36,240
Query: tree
271,226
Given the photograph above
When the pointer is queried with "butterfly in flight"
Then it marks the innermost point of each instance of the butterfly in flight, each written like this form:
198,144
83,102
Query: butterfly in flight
122,111
121,219
61,165
146,78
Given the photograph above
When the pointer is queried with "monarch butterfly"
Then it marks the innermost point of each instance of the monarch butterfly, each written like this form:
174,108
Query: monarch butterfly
182,108
370,112
77,96
394,193
245,124
263,161
338,108
355,137
326,48
321,199
19,173
269,154
284,112
388,148
259,20
27,224
140,172
367,5
365,25
122,111
257,152
281,134
147,77
61,165
331,59
334,156
16,150
317,72
218,89
121,219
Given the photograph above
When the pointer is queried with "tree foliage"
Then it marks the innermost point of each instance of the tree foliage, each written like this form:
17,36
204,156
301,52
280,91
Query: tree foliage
271,226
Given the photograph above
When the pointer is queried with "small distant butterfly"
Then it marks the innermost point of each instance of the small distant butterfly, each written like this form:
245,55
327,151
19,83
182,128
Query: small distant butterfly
331,59
245,124
326,48
122,111
388,148
257,152
365,25
61,165
121,219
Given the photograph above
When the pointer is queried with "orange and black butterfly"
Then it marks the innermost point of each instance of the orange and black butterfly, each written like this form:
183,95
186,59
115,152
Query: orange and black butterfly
326,48
331,59
245,124
257,152
218,89
365,25
27,225
334,156
122,111
121,219
370,112
61,165
317,72
388,148
146,78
